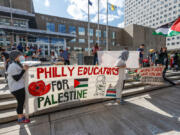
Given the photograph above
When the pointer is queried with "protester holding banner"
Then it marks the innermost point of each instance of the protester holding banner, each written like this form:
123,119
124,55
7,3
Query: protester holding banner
94,51
16,83
121,63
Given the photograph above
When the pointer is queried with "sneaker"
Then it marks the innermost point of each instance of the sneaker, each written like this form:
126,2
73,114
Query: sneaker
120,101
23,120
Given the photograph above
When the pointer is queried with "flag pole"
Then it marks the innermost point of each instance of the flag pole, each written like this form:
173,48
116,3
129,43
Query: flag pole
88,31
107,29
98,22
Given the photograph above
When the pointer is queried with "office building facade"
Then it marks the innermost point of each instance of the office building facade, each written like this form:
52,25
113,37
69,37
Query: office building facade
153,13
19,24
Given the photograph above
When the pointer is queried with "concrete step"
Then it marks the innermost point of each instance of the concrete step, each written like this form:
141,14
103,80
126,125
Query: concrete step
129,85
7,104
139,90
135,84
7,115
170,73
174,78
5,94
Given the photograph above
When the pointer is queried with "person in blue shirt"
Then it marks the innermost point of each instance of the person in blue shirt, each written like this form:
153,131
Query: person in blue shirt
20,47
65,56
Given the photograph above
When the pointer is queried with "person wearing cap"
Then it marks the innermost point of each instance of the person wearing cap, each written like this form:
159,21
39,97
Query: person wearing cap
16,83
121,64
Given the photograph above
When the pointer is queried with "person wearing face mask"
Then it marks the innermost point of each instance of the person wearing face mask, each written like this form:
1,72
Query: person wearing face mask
121,64
16,83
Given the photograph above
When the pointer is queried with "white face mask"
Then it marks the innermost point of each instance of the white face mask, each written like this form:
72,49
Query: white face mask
21,59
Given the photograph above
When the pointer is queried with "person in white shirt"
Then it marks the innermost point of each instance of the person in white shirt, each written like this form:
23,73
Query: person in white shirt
16,83
121,63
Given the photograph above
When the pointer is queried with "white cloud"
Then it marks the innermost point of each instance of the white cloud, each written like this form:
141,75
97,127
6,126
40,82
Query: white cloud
47,3
121,25
78,9
75,12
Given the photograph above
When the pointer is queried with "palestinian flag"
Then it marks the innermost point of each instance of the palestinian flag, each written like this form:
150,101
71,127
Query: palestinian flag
111,93
79,83
169,30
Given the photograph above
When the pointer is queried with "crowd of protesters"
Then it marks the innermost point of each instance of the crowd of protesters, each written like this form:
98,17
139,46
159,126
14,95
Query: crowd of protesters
158,58
32,53
15,69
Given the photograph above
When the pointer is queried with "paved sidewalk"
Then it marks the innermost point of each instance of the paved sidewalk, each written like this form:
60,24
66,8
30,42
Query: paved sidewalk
157,113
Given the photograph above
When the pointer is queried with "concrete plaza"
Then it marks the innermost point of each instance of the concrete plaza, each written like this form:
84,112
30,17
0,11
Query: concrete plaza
154,113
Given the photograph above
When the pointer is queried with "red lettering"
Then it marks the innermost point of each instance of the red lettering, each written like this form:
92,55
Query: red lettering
53,69
80,71
95,71
104,70
85,70
48,72
100,71
39,71
90,70
108,71
70,70
63,73
115,71
56,72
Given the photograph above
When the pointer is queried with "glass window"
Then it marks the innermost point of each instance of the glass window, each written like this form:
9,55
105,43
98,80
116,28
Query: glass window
43,39
91,41
91,32
20,23
86,49
113,43
98,32
81,31
104,34
62,28
81,40
113,35
73,40
77,49
57,40
72,29
50,27
5,21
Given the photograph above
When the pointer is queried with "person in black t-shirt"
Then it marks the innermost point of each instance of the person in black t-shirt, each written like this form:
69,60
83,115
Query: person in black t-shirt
141,54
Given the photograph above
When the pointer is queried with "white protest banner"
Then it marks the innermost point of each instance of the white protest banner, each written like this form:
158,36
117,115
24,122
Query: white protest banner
109,58
53,85
151,75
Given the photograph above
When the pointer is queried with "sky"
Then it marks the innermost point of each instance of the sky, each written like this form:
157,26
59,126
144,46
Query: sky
78,9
